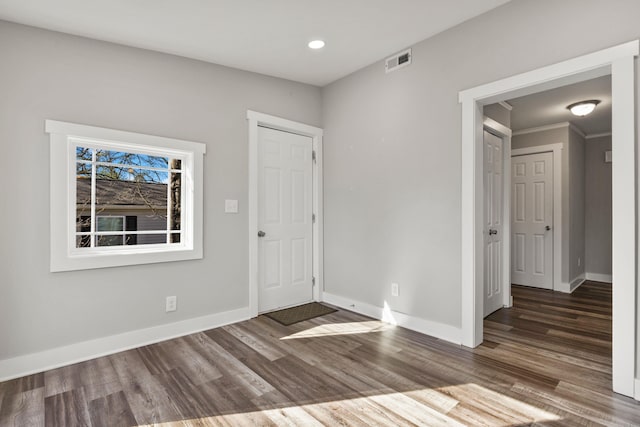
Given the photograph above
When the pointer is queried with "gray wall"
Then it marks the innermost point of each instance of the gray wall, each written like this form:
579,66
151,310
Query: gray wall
47,75
392,147
498,113
598,207
576,207
545,137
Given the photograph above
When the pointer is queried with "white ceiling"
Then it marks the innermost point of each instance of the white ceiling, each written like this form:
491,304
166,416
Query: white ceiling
264,36
550,107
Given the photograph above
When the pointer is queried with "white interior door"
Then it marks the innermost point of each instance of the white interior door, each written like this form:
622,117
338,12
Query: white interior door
532,220
284,219
493,229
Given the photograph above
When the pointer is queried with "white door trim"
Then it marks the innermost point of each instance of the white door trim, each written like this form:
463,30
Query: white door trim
619,62
505,133
259,119
556,149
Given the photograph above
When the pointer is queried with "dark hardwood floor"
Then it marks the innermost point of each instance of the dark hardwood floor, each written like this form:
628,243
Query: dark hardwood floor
546,361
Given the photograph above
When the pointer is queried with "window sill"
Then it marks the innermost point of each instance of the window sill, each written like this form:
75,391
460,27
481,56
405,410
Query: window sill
117,258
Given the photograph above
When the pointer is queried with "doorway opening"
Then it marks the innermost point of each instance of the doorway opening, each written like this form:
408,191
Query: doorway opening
619,63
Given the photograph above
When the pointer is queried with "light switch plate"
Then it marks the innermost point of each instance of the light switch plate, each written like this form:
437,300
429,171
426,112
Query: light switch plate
231,206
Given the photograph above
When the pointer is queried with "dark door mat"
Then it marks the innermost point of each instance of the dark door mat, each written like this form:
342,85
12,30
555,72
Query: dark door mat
292,315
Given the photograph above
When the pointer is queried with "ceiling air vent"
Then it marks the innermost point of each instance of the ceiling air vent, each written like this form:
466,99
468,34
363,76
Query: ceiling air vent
398,61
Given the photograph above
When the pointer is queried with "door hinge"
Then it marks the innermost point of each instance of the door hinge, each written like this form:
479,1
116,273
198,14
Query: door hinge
313,155
313,281
313,217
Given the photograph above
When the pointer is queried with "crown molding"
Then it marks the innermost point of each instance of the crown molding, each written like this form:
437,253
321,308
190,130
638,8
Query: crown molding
506,105
541,128
597,135
551,127
577,130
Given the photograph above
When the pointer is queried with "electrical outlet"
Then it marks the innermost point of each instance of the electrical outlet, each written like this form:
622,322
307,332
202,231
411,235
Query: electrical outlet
394,290
172,303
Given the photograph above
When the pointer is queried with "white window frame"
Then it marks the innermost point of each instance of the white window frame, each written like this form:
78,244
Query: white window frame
64,137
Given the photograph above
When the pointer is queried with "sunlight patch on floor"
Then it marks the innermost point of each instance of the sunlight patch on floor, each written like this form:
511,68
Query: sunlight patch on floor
349,328
509,410
396,408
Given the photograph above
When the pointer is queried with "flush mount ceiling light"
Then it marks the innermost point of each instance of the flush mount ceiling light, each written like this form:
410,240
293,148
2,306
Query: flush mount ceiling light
316,44
583,108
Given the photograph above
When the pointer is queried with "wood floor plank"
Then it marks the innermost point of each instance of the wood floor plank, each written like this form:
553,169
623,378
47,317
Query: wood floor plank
252,339
111,411
574,407
413,411
67,409
129,366
544,362
187,354
20,385
149,401
25,408
229,365
97,376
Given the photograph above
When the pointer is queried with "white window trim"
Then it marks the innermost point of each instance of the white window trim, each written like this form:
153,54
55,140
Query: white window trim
64,257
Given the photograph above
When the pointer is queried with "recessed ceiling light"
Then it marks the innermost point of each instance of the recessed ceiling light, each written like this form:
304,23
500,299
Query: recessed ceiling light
583,108
316,44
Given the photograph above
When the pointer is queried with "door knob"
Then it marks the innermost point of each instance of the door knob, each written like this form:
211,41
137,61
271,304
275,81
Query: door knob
547,228
492,231
261,233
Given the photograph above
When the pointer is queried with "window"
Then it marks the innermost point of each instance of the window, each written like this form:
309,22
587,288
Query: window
130,198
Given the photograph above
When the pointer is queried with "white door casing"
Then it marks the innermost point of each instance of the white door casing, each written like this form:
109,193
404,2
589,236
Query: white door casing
493,218
256,120
532,220
619,62
284,219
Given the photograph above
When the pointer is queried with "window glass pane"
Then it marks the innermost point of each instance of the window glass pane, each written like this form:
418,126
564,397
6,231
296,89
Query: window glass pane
152,239
115,189
83,241
110,223
131,174
124,158
83,170
83,224
83,153
109,240
83,192
148,221
176,193
176,164
175,237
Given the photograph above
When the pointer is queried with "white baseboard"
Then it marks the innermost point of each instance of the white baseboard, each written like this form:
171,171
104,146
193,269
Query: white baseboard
87,350
571,286
427,327
563,287
597,277
575,283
